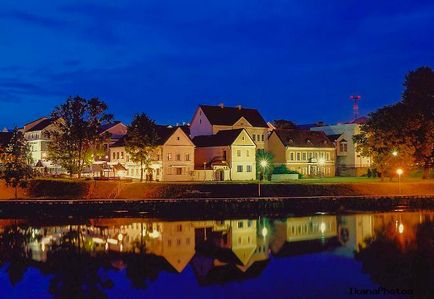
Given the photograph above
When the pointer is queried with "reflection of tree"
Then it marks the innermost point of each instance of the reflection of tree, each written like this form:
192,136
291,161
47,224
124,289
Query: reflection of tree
14,253
394,265
75,272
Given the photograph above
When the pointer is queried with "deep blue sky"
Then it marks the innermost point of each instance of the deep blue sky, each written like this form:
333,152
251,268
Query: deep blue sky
298,60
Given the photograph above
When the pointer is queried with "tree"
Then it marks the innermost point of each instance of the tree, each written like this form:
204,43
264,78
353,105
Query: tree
418,99
75,137
383,133
17,168
284,124
141,141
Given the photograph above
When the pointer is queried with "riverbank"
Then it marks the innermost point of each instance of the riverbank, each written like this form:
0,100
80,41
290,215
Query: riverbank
89,189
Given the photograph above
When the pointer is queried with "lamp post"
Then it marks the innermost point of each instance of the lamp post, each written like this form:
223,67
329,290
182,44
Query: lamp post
399,172
263,165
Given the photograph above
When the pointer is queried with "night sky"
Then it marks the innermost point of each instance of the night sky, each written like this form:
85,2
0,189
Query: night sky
298,60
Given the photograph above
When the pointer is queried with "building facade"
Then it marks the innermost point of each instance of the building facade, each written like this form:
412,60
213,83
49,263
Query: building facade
307,152
172,160
348,161
209,120
227,155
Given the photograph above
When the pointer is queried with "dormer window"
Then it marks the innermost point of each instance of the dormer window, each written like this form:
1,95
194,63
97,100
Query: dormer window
290,140
343,146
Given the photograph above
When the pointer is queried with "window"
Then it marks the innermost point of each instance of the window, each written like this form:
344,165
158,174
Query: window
298,156
259,137
122,155
187,157
291,156
224,155
177,138
169,243
249,168
114,155
304,157
328,156
238,153
239,168
178,242
178,170
178,157
262,137
249,223
179,228
310,155
343,146
169,156
253,137
240,224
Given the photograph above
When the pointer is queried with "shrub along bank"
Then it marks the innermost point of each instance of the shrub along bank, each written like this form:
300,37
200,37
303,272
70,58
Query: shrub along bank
89,189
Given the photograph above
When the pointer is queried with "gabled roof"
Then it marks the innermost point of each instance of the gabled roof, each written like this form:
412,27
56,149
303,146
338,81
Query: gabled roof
222,138
164,132
5,138
334,137
108,126
40,126
303,138
219,115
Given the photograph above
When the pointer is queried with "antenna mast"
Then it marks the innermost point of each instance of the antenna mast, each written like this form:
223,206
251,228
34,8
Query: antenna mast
355,99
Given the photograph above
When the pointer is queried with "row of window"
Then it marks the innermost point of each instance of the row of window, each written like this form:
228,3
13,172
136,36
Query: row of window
240,168
120,155
258,137
307,156
239,153
178,242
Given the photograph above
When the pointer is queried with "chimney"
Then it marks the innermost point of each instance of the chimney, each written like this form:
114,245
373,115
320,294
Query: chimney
221,105
239,107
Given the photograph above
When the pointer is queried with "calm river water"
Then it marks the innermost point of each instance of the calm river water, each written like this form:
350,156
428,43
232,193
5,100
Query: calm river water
313,256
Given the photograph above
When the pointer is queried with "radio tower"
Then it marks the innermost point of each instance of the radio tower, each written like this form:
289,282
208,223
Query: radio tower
355,99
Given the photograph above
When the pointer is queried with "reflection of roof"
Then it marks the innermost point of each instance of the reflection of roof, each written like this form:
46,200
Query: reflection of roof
244,254
180,260
306,247
5,138
303,138
222,138
230,115
42,125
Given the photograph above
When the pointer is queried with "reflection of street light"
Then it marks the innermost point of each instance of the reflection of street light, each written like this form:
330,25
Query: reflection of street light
263,165
322,227
401,228
264,232
321,163
120,237
394,153
399,172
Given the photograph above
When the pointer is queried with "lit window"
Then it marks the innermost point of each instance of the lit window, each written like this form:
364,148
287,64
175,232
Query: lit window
178,157
187,157
169,156
249,168
238,153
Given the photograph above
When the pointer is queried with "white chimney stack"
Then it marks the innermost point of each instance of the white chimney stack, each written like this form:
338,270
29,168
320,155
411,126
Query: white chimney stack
239,107
221,105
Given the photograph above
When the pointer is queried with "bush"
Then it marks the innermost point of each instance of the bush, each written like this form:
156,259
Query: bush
58,188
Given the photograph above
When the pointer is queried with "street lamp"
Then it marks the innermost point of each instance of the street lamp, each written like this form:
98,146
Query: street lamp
399,172
263,165
395,153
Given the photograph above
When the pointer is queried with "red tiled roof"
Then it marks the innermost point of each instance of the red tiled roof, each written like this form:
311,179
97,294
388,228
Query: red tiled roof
222,138
230,115
303,138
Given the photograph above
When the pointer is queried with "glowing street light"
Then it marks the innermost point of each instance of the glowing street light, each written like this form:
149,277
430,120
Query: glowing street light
399,172
395,153
263,164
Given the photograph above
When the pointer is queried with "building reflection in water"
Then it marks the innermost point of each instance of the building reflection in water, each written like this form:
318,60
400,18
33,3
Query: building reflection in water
217,250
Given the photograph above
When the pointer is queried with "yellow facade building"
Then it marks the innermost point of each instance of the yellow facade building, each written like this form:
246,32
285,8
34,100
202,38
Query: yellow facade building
307,152
227,155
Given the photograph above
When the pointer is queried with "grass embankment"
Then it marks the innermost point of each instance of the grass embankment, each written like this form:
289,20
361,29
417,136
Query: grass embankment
88,189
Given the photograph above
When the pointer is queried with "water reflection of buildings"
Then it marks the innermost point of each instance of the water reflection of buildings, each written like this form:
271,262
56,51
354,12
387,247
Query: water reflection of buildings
220,250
